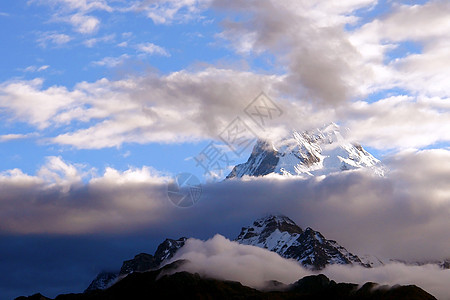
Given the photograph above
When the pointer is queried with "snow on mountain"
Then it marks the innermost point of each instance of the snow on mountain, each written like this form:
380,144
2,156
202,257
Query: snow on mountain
103,281
140,263
281,235
319,152
276,233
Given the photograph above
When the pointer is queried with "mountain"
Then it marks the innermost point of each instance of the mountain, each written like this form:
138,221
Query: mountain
319,152
183,285
140,263
102,281
280,234
276,233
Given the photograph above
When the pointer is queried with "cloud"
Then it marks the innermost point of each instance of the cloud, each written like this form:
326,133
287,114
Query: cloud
25,101
57,173
84,24
428,277
58,39
80,14
398,122
15,136
307,38
147,109
326,63
424,73
83,5
365,213
168,11
150,48
138,109
36,69
56,199
112,62
220,258
76,13
93,41
252,266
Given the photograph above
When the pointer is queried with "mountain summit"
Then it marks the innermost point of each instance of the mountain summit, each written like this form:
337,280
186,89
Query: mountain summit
280,234
320,152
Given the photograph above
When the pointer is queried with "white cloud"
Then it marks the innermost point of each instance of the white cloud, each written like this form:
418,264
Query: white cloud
252,266
112,62
77,12
14,136
84,24
58,173
81,5
57,39
132,175
168,11
147,109
399,122
80,13
92,42
150,48
429,277
36,68
123,44
25,101
424,73
140,109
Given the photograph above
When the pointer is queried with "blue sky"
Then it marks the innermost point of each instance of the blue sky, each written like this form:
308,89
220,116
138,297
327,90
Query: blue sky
102,101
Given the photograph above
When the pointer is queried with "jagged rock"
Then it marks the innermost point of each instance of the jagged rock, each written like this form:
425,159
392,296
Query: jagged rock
183,285
320,152
140,263
102,281
281,235
33,297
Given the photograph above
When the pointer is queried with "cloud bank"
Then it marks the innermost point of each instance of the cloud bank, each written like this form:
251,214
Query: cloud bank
252,266
223,259
365,213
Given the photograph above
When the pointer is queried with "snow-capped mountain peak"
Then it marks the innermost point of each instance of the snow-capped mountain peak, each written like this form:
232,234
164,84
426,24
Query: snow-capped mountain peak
280,234
309,153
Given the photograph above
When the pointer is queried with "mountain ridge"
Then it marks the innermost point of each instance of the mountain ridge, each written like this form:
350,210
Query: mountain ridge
309,153
274,232
140,263
157,284
310,248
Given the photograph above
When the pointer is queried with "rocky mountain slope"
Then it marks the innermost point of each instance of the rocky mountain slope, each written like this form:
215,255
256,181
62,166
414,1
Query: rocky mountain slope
319,152
140,263
280,234
276,233
183,285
